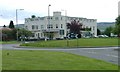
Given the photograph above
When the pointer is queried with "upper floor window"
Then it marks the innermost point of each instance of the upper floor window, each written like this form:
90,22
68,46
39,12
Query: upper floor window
49,26
51,17
36,19
26,20
56,18
33,27
42,27
61,18
26,27
93,28
36,26
42,18
61,25
56,25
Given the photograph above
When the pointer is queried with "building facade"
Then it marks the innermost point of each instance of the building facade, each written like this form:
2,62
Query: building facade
118,8
55,26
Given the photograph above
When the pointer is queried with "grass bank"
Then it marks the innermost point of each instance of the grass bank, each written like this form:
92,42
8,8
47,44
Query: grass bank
9,42
51,60
91,42
0,60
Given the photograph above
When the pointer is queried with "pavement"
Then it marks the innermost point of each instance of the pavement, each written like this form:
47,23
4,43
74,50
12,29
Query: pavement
108,54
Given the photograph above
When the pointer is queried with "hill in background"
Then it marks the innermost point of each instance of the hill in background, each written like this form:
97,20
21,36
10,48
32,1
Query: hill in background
103,25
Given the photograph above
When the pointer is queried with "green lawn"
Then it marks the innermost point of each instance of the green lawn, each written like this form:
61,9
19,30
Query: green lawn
0,60
9,42
91,42
51,60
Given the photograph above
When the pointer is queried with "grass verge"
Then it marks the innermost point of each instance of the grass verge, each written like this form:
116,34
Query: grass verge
51,60
9,42
0,60
91,42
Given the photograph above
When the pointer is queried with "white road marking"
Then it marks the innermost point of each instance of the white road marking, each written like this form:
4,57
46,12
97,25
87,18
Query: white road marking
112,55
101,48
92,52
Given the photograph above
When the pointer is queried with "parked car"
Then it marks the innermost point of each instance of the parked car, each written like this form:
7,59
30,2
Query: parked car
102,36
71,36
95,36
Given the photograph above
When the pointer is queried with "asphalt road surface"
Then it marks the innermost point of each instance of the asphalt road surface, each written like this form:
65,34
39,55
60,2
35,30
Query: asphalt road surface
108,54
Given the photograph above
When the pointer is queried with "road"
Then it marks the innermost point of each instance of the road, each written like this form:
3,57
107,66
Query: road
108,54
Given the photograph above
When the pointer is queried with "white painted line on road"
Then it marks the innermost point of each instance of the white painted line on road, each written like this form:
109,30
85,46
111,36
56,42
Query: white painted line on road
92,52
100,48
112,55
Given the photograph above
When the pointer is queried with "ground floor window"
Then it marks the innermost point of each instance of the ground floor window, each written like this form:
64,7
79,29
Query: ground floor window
61,32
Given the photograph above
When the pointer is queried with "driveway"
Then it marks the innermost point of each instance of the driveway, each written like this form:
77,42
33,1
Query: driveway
108,54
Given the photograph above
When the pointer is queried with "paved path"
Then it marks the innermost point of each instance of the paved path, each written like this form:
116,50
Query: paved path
108,54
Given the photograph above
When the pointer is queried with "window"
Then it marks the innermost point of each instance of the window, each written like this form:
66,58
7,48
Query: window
26,20
33,34
41,34
42,27
56,25
61,32
36,19
93,28
61,25
56,18
26,27
51,17
36,26
32,19
33,27
61,18
38,35
42,18
48,17
49,26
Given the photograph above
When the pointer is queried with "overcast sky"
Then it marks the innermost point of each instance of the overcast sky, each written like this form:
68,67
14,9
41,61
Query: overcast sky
102,10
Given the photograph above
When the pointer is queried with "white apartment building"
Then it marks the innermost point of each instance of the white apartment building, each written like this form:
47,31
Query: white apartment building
118,8
55,26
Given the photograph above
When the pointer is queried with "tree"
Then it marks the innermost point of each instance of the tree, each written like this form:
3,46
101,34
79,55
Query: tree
74,27
117,26
11,25
98,32
24,32
4,26
7,34
108,31
33,16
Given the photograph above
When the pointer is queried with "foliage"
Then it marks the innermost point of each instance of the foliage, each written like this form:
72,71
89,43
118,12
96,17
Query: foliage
74,27
98,32
11,25
9,42
8,35
24,32
117,26
108,31
50,60
4,26
33,16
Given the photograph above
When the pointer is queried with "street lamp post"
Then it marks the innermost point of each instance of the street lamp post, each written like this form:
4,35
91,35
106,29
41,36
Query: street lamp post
17,20
49,19
66,24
